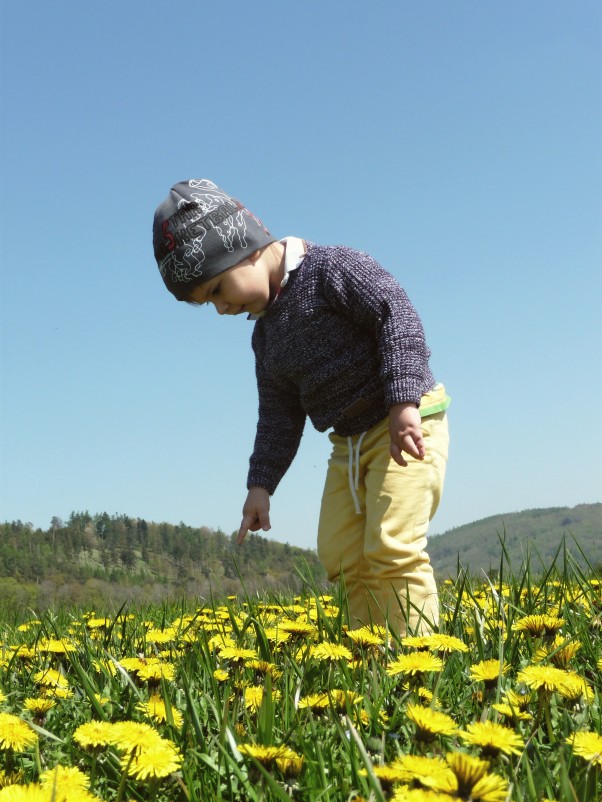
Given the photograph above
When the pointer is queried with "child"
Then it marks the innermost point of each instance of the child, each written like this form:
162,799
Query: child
335,339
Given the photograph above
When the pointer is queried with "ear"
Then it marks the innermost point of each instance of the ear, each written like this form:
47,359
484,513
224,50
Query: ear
253,257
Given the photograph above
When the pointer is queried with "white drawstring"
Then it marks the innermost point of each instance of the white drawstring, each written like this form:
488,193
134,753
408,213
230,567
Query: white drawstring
354,481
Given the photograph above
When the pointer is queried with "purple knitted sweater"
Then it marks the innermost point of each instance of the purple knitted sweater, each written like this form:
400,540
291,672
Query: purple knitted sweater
341,344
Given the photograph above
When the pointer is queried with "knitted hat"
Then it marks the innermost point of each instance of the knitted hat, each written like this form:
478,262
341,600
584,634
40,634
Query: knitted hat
199,231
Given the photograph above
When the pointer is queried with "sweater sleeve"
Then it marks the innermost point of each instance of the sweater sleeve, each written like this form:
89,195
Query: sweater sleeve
280,427
355,284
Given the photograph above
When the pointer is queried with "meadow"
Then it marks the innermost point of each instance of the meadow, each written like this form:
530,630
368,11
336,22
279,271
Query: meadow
257,698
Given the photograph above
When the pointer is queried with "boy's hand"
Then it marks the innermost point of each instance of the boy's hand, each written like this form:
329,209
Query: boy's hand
405,430
255,512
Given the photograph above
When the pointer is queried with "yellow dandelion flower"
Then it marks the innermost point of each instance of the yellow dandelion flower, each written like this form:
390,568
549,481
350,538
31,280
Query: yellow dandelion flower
268,756
93,734
155,762
299,628
444,643
330,651
50,677
68,780
156,709
15,733
265,667
576,687
415,664
161,635
55,646
587,745
545,678
510,712
407,794
253,698
468,770
364,637
488,672
39,707
237,655
430,723
155,672
490,788
220,675
539,625
387,774
131,736
428,772
493,738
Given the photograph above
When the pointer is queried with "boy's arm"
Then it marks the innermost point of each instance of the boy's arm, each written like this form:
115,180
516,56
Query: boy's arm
280,425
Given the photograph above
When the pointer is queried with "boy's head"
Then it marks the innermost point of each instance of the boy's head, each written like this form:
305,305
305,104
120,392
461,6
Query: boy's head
199,231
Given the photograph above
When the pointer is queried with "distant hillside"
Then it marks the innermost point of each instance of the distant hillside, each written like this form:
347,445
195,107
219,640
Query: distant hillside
539,531
101,560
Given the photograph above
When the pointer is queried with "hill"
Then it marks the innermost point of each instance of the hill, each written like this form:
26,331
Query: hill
101,560
539,532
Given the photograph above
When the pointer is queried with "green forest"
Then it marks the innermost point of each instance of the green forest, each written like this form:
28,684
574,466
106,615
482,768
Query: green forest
108,560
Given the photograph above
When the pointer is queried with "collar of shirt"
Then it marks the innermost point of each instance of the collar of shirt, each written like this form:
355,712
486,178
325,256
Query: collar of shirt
294,254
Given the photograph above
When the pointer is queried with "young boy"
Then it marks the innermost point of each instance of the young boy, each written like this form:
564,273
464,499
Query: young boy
336,340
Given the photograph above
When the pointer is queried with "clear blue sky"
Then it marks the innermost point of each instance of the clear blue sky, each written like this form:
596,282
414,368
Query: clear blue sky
459,143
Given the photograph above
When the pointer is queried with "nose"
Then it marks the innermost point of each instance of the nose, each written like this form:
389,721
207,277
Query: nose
221,307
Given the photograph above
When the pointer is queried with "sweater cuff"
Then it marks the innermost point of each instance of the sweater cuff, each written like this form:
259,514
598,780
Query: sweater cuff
262,478
403,390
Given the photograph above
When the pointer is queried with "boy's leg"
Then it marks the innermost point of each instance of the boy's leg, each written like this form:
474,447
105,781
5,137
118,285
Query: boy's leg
341,530
400,502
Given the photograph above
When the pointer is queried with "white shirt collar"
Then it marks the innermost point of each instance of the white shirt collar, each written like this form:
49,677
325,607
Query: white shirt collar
294,254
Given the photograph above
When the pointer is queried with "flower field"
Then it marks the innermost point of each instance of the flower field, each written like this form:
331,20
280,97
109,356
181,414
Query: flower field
277,699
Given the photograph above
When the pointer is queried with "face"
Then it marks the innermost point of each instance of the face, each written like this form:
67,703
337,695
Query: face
245,288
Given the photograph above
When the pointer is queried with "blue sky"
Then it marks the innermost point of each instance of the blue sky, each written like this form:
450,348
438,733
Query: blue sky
458,143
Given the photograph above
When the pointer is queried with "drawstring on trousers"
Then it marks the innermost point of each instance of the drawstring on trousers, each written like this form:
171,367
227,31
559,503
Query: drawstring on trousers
354,477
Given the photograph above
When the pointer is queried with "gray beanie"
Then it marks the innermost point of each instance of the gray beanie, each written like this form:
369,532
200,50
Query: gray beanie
199,231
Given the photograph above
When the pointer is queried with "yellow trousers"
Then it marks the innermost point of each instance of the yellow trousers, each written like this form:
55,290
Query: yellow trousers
373,524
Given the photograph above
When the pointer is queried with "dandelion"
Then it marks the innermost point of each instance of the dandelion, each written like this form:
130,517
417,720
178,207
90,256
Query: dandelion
282,756
539,625
93,734
68,780
156,709
587,745
488,672
364,637
493,738
415,664
51,678
545,678
15,733
490,788
428,772
339,699
38,706
254,698
157,761
220,675
330,651
131,736
468,770
437,642
55,646
236,655
154,672
430,723
406,794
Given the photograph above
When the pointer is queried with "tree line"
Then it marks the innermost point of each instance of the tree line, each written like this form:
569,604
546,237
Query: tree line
90,559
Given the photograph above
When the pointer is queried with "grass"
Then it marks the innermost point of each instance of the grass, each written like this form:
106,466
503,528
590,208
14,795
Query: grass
274,698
